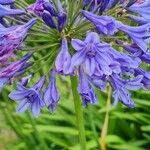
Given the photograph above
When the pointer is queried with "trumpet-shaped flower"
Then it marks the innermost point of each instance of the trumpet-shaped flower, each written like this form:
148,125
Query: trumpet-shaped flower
48,19
29,98
141,9
121,88
146,77
94,55
50,7
62,16
4,11
11,38
37,8
139,20
51,94
85,89
63,60
104,24
8,72
137,34
12,68
135,50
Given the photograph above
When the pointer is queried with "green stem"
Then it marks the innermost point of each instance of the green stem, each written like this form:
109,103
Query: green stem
79,113
106,121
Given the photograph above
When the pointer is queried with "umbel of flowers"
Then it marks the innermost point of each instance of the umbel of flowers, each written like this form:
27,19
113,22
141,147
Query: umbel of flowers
89,55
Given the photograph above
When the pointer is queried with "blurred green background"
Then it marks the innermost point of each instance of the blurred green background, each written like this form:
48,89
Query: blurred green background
128,129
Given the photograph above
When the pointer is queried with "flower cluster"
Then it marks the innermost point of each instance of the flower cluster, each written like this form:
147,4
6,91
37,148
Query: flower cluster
93,53
11,38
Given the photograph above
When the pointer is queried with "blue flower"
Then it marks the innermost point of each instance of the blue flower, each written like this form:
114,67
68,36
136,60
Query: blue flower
137,34
29,98
99,81
50,13
63,60
141,9
135,50
62,16
8,72
85,89
104,5
121,87
146,77
23,69
48,19
12,68
37,8
94,55
139,20
5,11
50,7
104,24
11,38
51,94
125,60
6,2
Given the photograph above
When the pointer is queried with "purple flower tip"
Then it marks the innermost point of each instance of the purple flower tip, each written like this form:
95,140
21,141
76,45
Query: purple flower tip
51,94
104,24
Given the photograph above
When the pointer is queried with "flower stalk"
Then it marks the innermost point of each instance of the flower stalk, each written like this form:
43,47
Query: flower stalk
106,121
79,113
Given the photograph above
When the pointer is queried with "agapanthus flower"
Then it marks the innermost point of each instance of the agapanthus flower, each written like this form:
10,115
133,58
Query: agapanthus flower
48,18
37,7
146,77
50,7
47,10
29,98
137,34
62,16
8,72
85,89
63,60
139,20
121,88
125,60
94,55
99,81
141,8
104,24
11,38
104,5
5,11
51,94
135,50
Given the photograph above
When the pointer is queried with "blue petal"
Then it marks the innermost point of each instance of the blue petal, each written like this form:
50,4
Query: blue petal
4,11
23,106
77,44
19,95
